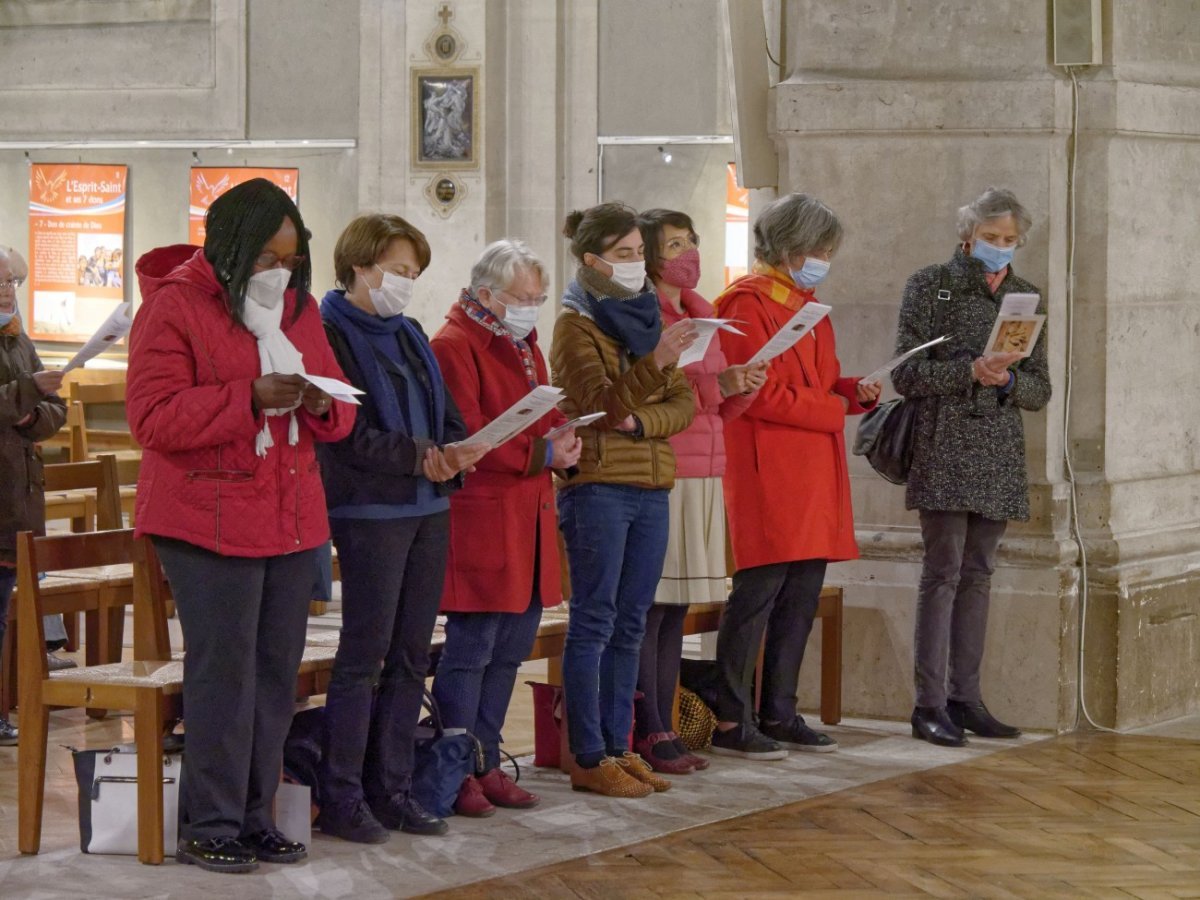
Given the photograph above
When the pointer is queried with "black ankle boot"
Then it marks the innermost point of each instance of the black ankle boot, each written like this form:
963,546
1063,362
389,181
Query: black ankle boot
930,723
975,717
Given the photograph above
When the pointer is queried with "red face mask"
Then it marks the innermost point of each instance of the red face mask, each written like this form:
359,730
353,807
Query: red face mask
683,271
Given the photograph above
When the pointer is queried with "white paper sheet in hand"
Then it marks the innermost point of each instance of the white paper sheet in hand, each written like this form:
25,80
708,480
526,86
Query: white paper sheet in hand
1019,305
887,367
517,417
705,329
574,423
795,328
338,390
115,327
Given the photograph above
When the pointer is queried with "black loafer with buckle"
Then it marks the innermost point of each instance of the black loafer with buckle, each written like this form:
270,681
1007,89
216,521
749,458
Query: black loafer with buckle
269,845
222,854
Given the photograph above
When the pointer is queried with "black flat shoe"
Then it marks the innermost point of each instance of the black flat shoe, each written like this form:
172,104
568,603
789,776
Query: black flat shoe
930,723
975,717
269,845
223,854
402,812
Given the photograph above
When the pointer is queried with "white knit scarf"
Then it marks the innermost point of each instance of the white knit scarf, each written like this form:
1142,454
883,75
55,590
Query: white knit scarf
263,315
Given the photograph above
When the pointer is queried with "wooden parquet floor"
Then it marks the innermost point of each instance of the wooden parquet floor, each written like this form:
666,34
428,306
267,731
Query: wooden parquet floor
1088,815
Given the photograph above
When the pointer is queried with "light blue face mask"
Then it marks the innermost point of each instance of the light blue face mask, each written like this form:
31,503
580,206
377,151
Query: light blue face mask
5,318
993,258
811,274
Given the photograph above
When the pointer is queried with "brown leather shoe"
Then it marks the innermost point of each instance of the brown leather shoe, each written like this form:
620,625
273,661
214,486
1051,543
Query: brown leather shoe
640,769
609,779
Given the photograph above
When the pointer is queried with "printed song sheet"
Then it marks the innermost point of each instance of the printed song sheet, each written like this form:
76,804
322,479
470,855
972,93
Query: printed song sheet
574,423
517,417
115,327
338,390
705,329
887,367
795,328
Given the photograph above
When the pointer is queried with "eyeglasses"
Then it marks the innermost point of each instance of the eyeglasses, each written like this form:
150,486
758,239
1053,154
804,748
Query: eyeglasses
12,283
680,244
526,301
271,261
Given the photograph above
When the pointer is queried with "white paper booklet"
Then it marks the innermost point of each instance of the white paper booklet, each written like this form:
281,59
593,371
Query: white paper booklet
574,423
1019,305
705,329
338,390
795,328
887,367
517,417
115,327
1014,334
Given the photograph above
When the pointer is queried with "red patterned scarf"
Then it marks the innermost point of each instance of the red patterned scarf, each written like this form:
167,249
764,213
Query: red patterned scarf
477,311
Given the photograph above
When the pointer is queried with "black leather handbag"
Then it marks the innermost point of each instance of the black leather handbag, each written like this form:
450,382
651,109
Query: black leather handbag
885,437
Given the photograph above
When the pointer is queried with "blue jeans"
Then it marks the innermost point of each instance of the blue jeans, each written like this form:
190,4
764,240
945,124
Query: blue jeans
616,538
478,668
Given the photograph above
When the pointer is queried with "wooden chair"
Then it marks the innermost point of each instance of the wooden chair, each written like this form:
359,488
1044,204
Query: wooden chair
151,685
86,439
92,484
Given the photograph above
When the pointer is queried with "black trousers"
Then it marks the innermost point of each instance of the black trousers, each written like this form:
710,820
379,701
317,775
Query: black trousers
393,571
244,620
780,599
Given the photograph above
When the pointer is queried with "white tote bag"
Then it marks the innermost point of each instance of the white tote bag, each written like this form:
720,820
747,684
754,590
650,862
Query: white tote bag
108,800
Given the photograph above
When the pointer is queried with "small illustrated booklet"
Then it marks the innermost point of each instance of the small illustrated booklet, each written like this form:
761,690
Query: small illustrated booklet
115,327
1018,326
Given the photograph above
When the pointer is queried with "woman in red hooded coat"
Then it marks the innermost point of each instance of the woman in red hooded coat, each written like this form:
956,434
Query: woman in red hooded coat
787,491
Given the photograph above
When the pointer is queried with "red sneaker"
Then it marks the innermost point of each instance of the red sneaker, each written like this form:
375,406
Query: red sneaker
471,802
646,748
503,791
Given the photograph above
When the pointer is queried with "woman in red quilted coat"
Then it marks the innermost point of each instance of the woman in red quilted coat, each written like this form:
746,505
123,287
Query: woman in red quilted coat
230,492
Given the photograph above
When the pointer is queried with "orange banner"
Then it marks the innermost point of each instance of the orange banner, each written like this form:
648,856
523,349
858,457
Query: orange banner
76,248
209,183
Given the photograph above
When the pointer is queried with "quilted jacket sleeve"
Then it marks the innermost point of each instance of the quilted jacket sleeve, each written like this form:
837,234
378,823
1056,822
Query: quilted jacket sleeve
780,400
579,368
673,413
168,411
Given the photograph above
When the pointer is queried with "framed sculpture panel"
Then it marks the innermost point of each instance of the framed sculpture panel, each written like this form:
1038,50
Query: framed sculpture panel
445,128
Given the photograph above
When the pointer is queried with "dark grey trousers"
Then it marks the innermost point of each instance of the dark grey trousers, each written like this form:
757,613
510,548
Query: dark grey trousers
243,620
780,599
952,603
393,571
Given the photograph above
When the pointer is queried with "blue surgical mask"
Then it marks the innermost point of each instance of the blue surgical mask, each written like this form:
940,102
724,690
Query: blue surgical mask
993,258
5,318
811,274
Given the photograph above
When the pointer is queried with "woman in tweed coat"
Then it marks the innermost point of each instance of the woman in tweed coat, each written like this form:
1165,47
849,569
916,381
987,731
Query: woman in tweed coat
968,472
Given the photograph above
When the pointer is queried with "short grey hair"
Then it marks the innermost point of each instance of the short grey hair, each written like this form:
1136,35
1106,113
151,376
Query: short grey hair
994,203
499,263
15,260
795,224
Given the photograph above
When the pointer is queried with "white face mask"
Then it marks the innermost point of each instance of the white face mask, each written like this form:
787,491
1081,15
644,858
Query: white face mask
394,293
629,275
520,320
266,288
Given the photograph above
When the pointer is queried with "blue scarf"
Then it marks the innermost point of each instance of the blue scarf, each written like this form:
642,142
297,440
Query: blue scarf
369,338
633,319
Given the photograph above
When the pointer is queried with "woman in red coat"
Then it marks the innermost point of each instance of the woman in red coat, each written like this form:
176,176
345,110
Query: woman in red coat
503,566
787,491
230,492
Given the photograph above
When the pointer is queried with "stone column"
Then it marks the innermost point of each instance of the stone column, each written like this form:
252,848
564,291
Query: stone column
898,115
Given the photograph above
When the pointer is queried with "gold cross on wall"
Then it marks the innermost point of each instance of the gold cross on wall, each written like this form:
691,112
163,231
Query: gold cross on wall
445,14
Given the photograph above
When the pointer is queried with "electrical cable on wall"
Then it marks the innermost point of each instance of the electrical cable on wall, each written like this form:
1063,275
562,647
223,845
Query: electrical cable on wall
1081,711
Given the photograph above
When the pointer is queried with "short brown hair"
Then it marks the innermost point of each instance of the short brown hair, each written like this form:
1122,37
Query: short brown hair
367,238
596,229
